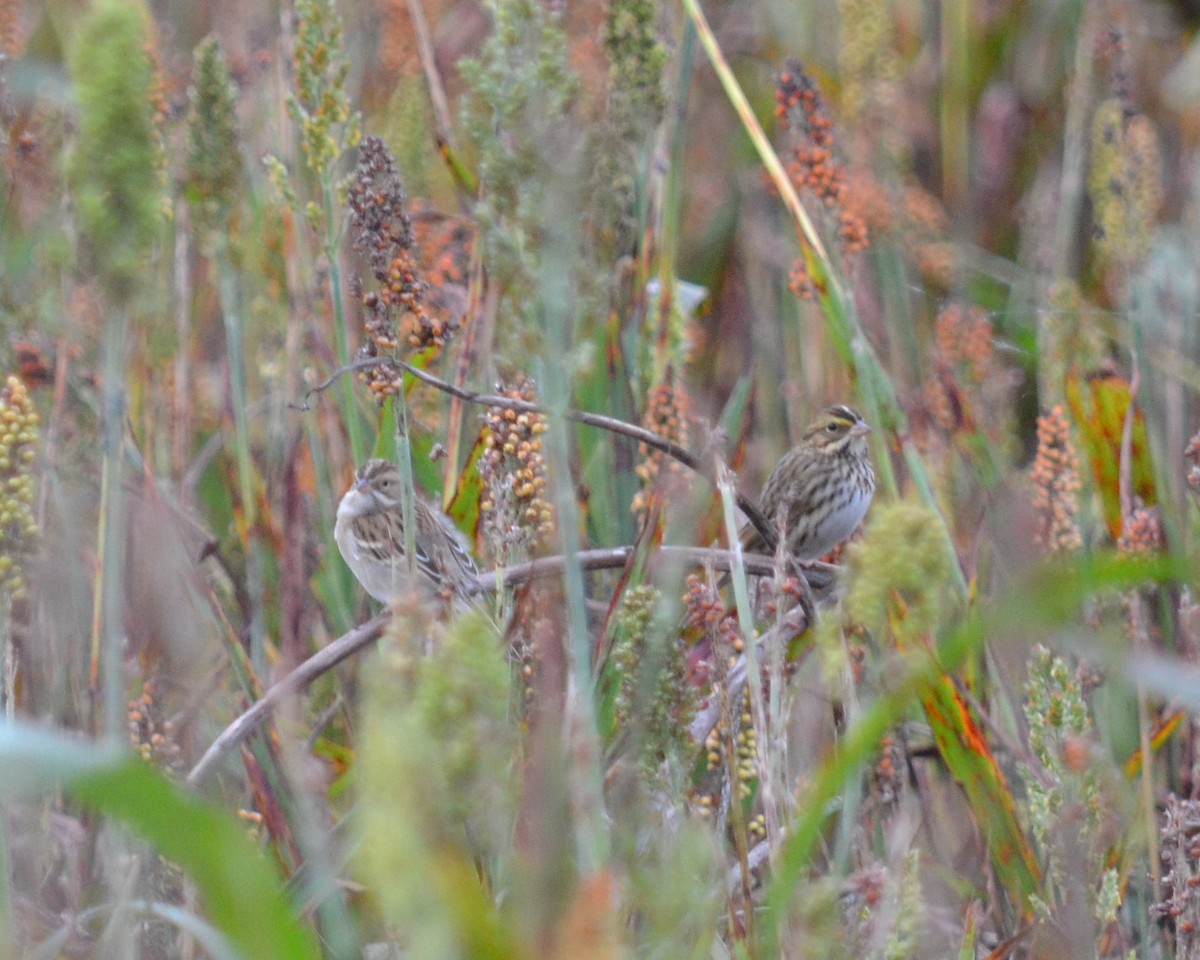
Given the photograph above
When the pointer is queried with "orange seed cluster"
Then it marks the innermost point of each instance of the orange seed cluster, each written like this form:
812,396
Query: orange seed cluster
515,510
1141,533
383,232
814,166
799,105
965,337
702,606
152,737
666,415
888,778
965,361
800,282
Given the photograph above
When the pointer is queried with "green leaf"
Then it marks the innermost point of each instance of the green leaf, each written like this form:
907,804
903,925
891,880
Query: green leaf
969,758
243,893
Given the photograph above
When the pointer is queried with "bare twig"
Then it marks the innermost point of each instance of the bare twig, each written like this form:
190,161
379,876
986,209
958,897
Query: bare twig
613,425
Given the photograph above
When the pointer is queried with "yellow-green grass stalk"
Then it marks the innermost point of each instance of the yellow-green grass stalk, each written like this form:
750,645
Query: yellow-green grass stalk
875,386
769,729
587,785
331,246
320,106
229,295
115,172
762,146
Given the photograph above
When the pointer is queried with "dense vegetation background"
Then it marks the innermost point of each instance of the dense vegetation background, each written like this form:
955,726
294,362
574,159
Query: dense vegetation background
536,232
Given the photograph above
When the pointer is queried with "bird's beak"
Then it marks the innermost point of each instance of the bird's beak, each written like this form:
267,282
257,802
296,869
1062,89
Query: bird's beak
860,429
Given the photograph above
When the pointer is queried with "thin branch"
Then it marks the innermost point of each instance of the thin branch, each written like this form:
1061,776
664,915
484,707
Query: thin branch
613,425
755,858
819,576
437,92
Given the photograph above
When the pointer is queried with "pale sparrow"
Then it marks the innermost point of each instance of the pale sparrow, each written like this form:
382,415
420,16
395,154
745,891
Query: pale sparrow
370,534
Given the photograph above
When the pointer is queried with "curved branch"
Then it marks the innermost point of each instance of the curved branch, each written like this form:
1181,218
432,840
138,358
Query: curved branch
319,663
819,575
613,425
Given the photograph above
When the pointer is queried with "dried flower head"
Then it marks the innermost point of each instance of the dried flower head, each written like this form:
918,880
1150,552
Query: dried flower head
380,224
18,488
321,105
1181,881
814,168
667,415
1141,533
383,232
514,508
1055,477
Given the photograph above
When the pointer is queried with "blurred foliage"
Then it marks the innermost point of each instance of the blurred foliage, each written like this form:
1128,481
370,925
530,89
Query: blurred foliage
115,164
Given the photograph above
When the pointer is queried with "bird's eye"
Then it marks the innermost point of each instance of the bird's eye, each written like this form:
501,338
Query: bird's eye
832,426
